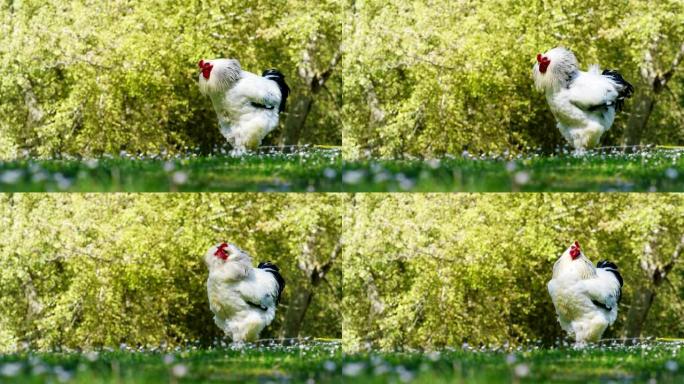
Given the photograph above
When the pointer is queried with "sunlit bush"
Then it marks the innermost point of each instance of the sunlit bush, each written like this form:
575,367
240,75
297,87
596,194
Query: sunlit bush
427,78
82,270
81,77
428,271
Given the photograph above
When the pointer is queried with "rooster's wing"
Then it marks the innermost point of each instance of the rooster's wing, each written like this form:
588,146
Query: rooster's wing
590,91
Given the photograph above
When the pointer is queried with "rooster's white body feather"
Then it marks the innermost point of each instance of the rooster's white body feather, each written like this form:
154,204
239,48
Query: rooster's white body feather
583,103
242,298
585,297
247,106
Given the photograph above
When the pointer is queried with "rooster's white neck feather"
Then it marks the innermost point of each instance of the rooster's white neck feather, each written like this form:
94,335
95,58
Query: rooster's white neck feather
579,269
225,74
237,266
562,70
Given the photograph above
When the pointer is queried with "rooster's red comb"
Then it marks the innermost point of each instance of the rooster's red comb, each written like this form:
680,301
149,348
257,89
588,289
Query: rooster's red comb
221,251
201,63
575,250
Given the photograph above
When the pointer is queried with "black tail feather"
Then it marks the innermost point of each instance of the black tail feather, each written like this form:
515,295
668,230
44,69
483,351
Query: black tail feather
279,78
275,271
626,90
601,305
612,268
606,264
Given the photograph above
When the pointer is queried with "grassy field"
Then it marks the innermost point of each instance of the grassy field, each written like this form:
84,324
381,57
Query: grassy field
647,169
323,170
306,169
324,362
263,363
661,361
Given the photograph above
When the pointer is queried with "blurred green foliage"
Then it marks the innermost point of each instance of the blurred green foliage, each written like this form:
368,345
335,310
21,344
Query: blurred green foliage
435,270
307,170
88,270
425,78
90,77
327,363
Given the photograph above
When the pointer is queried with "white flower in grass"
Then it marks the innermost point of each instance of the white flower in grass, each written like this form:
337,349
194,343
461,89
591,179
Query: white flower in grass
179,370
671,366
353,177
62,181
510,359
91,163
10,369
329,173
353,369
405,375
522,370
180,178
63,375
510,166
329,366
671,173
434,163
11,176
522,177
169,166
405,183
169,359
92,356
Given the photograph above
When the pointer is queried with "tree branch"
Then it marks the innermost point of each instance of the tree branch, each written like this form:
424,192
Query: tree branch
656,271
319,272
675,256
317,80
675,63
331,67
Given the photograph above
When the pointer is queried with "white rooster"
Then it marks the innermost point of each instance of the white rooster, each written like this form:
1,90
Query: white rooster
247,106
243,299
583,103
586,298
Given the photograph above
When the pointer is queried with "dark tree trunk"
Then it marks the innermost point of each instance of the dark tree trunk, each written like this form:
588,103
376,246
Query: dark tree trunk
636,316
296,118
315,81
294,318
638,120
656,81
644,296
301,299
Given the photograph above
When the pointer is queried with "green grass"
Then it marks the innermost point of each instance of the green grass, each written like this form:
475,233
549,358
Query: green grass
650,169
325,362
323,170
188,365
308,169
598,364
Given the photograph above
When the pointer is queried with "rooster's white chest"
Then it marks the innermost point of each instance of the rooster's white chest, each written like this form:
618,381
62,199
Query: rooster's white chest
569,304
223,297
